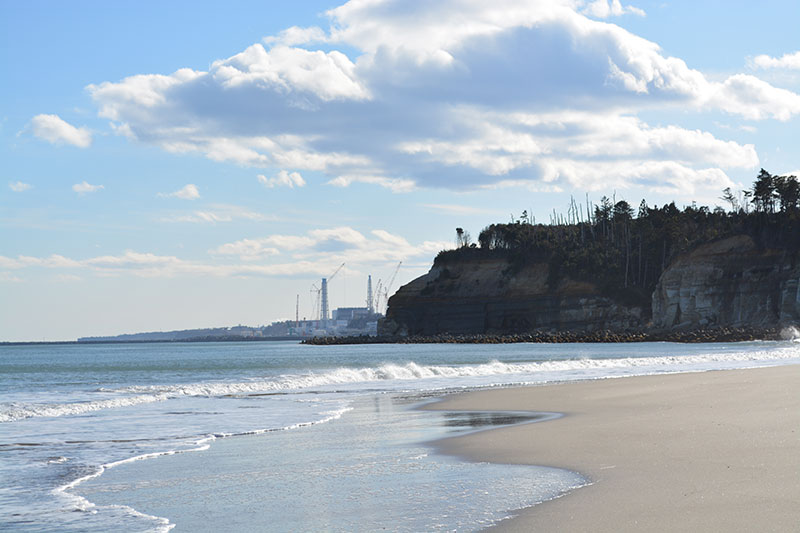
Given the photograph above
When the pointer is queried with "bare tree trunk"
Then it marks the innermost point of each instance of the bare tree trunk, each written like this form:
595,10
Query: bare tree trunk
639,273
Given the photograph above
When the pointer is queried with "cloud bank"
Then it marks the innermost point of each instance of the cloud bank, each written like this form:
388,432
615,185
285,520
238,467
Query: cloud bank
456,94
316,253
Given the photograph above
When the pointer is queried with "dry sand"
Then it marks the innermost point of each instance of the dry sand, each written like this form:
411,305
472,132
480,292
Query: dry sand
712,451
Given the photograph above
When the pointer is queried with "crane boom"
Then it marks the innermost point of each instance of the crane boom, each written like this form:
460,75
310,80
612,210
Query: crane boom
391,280
378,297
388,286
335,272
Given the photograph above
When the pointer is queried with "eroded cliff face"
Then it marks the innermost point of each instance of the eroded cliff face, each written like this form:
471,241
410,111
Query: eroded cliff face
728,283
486,296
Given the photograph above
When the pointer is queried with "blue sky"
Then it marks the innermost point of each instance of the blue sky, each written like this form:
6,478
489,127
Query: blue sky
187,164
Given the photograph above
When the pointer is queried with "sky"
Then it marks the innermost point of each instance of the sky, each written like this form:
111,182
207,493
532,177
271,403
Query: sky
187,164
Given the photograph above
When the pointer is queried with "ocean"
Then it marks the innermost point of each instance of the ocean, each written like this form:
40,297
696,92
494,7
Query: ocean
279,436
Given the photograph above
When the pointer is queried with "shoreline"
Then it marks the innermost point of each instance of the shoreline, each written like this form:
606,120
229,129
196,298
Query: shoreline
717,450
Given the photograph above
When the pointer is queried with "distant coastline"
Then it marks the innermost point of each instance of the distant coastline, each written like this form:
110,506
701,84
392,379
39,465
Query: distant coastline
165,341
743,334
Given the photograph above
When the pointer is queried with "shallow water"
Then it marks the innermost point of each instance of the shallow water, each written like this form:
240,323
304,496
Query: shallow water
370,470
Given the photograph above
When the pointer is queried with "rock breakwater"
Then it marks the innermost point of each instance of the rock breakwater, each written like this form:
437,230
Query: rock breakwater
694,336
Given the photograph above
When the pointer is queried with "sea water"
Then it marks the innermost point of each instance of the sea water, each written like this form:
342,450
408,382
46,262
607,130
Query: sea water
295,437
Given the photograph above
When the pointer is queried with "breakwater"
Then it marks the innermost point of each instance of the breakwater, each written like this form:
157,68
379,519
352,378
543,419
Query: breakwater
693,336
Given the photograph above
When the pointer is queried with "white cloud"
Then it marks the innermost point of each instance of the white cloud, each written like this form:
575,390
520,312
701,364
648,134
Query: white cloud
188,192
84,187
788,61
755,99
55,130
19,186
296,35
218,213
247,249
24,261
454,93
297,72
397,185
604,9
283,179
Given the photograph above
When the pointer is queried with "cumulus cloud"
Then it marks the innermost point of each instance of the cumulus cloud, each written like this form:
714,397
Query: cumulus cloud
188,192
755,99
788,61
84,187
19,186
296,35
55,130
283,179
604,9
453,93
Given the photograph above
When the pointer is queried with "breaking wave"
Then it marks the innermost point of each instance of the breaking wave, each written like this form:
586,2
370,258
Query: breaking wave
522,372
790,333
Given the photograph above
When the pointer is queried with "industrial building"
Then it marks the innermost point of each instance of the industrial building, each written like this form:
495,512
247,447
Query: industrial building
343,320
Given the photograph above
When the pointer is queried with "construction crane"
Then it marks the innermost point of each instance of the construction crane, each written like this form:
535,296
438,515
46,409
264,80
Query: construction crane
389,286
378,293
391,281
316,292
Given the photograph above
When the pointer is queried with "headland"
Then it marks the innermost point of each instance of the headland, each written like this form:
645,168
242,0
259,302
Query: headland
659,273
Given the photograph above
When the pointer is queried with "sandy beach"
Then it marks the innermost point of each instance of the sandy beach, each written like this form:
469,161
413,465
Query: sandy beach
711,451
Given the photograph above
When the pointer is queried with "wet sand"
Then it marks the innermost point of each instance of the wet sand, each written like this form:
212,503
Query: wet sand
712,451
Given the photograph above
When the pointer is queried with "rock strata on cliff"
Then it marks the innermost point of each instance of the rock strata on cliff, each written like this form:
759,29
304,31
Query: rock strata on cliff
487,296
728,283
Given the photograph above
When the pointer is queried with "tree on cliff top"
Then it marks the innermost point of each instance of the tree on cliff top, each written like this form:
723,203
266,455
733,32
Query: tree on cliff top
764,193
788,191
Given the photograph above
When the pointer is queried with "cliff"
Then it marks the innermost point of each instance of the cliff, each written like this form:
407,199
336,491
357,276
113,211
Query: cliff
489,296
730,282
